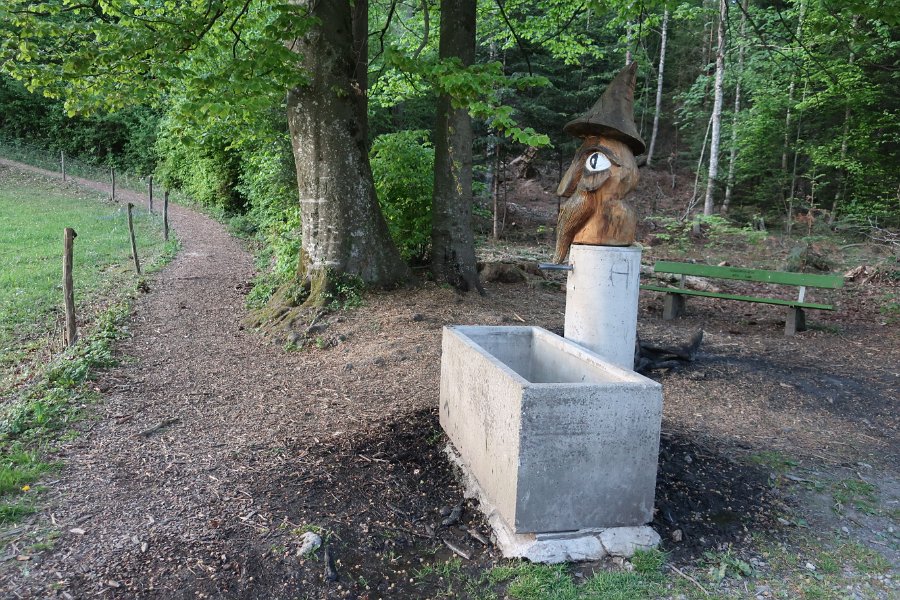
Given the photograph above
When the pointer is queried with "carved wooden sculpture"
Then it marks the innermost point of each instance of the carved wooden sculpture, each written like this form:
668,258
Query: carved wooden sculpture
603,172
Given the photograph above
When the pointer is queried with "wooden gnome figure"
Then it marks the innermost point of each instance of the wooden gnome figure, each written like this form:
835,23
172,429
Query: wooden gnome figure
603,172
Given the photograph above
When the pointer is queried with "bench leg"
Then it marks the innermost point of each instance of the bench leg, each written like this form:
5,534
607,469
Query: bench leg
796,321
673,306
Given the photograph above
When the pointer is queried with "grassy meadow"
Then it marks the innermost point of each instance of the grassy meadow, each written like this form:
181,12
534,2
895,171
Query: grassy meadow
33,214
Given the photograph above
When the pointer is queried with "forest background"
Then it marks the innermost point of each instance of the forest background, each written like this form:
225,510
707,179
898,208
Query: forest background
778,107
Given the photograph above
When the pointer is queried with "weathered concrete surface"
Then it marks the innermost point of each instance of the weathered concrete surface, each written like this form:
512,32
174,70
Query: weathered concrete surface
602,300
551,548
558,439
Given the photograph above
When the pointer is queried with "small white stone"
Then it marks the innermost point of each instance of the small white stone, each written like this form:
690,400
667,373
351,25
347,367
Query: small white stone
309,542
810,566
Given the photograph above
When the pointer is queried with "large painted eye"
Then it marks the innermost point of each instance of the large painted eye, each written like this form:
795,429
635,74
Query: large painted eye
597,162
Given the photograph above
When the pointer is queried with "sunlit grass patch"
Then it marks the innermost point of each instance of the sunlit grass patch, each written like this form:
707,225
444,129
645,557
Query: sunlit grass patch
33,215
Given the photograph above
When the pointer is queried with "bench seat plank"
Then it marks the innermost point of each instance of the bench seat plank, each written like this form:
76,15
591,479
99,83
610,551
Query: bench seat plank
781,277
778,301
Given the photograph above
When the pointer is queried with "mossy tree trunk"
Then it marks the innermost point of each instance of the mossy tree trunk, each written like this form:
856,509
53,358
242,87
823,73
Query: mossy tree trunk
344,232
452,240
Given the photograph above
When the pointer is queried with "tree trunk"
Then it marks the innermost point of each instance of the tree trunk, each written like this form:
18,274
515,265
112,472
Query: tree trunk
495,190
791,89
659,84
694,197
628,32
717,111
729,184
344,232
842,173
452,241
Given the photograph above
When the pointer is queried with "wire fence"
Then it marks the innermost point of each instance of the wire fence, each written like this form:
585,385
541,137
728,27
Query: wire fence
41,157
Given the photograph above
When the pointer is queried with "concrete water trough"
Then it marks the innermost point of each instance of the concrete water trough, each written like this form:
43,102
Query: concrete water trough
556,438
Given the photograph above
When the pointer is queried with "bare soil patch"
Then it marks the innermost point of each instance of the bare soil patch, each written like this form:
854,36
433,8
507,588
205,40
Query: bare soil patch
213,448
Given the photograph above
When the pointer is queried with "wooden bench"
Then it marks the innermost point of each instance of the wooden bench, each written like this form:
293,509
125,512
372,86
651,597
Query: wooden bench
796,320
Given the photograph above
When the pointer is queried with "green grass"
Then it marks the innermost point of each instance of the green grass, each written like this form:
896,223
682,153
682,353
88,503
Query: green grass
36,416
856,494
33,214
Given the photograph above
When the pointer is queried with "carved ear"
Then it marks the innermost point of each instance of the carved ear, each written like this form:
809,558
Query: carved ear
569,181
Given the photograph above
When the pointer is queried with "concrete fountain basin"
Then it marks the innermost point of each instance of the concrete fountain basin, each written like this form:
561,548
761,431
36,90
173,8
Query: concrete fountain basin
555,438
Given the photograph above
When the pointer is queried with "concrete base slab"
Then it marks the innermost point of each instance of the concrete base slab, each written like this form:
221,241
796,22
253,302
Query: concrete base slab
554,547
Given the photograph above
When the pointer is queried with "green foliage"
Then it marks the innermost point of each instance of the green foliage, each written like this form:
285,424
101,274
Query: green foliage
403,167
345,291
726,564
717,230
857,494
268,183
227,57
28,422
206,173
844,128
125,139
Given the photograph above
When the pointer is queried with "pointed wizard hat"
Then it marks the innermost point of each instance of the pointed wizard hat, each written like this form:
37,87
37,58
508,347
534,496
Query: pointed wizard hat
613,113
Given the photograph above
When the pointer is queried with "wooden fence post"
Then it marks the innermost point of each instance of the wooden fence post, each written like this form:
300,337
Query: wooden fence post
151,193
112,174
137,263
62,163
166,216
68,289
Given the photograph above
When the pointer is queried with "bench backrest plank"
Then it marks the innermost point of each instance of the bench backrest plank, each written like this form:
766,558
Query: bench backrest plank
780,277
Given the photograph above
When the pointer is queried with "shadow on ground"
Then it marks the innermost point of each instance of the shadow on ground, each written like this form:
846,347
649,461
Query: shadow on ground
382,500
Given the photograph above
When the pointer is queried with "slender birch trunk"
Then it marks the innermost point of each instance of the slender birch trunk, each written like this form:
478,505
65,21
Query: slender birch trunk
628,32
717,111
790,212
842,178
791,89
729,182
659,84
694,198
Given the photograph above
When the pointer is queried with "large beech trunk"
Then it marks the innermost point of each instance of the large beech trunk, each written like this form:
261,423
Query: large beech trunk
452,241
344,232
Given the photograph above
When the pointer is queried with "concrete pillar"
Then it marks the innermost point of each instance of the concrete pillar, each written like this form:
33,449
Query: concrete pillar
602,300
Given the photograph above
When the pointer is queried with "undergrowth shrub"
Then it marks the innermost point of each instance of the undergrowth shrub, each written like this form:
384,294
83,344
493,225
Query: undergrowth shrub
403,170
268,183
207,173
717,231
28,422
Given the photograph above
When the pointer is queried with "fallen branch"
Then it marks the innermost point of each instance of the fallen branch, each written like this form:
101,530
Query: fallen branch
159,426
689,578
457,550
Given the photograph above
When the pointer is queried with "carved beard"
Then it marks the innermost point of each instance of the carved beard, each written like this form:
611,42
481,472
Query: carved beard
601,175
